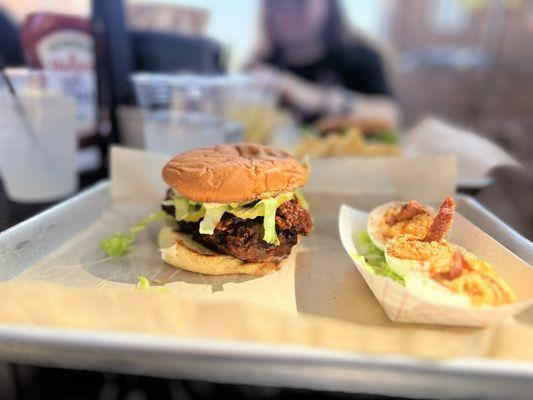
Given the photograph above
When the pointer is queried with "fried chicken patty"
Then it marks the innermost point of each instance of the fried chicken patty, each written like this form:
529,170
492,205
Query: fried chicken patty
243,238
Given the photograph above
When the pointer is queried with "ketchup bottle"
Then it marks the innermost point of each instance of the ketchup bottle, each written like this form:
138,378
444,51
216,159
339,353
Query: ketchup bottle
58,42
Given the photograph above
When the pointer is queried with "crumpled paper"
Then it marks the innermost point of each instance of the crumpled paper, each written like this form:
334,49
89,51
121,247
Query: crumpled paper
476,155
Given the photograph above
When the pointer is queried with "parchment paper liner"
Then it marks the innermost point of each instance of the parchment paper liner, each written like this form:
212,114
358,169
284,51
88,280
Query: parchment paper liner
322,302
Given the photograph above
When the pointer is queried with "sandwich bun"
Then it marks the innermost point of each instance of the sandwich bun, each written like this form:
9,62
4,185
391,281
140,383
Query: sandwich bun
368,124
181,251
234,173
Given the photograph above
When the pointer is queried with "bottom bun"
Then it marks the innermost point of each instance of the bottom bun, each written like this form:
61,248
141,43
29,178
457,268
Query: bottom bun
181,251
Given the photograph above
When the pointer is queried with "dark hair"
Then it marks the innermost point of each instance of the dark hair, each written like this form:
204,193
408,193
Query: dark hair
335,32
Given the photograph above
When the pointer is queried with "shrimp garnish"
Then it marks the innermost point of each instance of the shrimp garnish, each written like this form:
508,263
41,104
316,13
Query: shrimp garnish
407,211
458,264
476,279
442,222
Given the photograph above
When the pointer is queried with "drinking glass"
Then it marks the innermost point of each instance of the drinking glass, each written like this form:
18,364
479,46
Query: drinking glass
179,112
37,137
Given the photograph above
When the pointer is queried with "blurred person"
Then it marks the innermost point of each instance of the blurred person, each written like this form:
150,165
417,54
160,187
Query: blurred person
10,46
322,68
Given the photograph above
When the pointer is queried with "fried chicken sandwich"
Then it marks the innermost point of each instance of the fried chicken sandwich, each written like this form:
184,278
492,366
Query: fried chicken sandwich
233,209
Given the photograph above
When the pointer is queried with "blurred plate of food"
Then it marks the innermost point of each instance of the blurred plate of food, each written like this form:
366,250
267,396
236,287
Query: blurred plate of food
337,137
348,143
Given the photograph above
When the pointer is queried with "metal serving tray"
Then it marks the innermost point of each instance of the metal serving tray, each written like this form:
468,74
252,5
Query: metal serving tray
238,362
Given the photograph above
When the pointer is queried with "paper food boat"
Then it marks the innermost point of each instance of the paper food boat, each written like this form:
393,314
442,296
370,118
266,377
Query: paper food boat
403,305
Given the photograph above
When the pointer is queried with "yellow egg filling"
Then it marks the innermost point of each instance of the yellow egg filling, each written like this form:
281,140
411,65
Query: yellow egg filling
416,226
481,284
409,247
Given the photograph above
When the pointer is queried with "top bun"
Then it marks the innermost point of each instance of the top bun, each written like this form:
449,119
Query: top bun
233,173
367,125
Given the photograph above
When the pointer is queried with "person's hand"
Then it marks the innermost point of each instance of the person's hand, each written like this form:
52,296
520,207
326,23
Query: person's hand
370,113
292,89
375,114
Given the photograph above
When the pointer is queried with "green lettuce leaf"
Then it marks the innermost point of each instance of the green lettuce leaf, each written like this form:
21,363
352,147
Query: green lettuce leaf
301,199
308,130
282,198
240,203
194,216
265,208
181,207
390,137
375,258
144,284
213,214
257,210
186,210
269,221
120,243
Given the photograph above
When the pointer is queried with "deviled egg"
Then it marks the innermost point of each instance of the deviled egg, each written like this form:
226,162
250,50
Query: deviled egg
433,266
394,219
409,252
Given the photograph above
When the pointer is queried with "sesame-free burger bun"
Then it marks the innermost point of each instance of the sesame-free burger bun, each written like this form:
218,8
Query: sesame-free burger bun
181,251
369,124
233,173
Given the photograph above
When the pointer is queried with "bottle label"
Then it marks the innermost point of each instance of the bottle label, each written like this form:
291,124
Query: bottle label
71,51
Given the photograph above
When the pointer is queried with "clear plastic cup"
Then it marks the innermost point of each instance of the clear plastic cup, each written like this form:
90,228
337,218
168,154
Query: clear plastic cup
252,103
37,138
180,112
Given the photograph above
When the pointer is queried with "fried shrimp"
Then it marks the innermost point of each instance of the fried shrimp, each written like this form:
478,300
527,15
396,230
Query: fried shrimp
442,222
452,269
407,211
411,252
394,219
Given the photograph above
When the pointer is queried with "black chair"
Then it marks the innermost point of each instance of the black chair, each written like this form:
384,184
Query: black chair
166,52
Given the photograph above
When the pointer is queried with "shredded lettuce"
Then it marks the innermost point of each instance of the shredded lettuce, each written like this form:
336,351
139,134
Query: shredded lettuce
186,210
265,208
390,137
181,207
120,243
213,215
282,198
258,210
239,204
301,199
269,221
194,216
144,284
308,130
375,258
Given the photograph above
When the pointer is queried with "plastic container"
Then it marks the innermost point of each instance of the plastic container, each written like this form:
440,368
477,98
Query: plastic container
180,112
37,137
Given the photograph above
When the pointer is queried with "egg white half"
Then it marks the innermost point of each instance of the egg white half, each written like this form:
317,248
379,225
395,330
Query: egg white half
402,266
419,283
373,225
425,287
